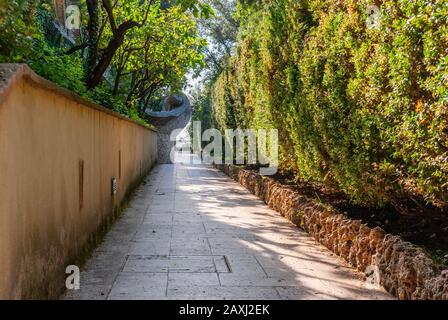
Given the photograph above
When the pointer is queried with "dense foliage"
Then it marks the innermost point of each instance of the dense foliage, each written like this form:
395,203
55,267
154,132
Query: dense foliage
17,29
125,55
360,99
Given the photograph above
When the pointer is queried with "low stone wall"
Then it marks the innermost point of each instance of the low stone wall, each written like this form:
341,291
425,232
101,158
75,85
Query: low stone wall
58,157
406,271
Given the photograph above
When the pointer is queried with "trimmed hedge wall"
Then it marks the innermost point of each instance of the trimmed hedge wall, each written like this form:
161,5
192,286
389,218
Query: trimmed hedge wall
358,106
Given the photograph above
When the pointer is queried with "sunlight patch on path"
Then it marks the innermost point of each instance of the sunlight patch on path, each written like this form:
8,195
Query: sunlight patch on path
193,233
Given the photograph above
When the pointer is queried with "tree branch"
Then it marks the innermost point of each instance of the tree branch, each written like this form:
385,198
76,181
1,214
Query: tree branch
108,7
76,48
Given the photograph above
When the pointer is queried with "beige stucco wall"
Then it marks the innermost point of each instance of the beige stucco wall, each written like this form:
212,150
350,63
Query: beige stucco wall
45,133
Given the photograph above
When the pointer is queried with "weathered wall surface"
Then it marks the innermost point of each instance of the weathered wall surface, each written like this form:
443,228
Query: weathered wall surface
58,156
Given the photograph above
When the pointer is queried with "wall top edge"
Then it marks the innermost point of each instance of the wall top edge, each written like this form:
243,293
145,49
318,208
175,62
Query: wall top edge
12,73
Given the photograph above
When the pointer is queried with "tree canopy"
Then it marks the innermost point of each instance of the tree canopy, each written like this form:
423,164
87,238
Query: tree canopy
125,53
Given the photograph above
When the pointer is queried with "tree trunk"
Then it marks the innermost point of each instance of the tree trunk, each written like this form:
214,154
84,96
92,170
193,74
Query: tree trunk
92,37
96,75
117,82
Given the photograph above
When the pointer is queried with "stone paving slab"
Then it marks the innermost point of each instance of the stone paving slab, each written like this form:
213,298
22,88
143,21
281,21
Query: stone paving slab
193,233
166,264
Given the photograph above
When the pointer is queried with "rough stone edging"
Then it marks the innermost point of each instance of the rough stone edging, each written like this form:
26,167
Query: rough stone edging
406,271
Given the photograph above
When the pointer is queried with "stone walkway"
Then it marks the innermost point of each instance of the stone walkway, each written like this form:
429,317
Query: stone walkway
193,233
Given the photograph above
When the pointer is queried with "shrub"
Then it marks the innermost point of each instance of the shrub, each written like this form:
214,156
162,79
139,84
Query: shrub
361,108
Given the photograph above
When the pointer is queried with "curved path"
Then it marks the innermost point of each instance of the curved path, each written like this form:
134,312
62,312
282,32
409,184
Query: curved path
166,122
193,233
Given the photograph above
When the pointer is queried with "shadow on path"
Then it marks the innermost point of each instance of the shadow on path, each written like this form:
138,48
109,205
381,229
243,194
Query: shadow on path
193,233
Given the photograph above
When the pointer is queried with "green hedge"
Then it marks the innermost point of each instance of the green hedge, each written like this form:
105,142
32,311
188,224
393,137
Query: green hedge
361,108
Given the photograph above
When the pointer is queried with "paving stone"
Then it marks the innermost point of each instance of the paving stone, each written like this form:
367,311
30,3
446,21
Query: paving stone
192,279
148,232
300,293
98,277
116,245
192,233
188,228
244,264
232,279
187,216
189,264
88,292
139,286
150,247
158,219
190,247
224,292
105,260
221,264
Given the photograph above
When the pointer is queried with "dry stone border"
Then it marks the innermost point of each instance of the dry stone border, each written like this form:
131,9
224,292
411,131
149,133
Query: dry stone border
406,271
